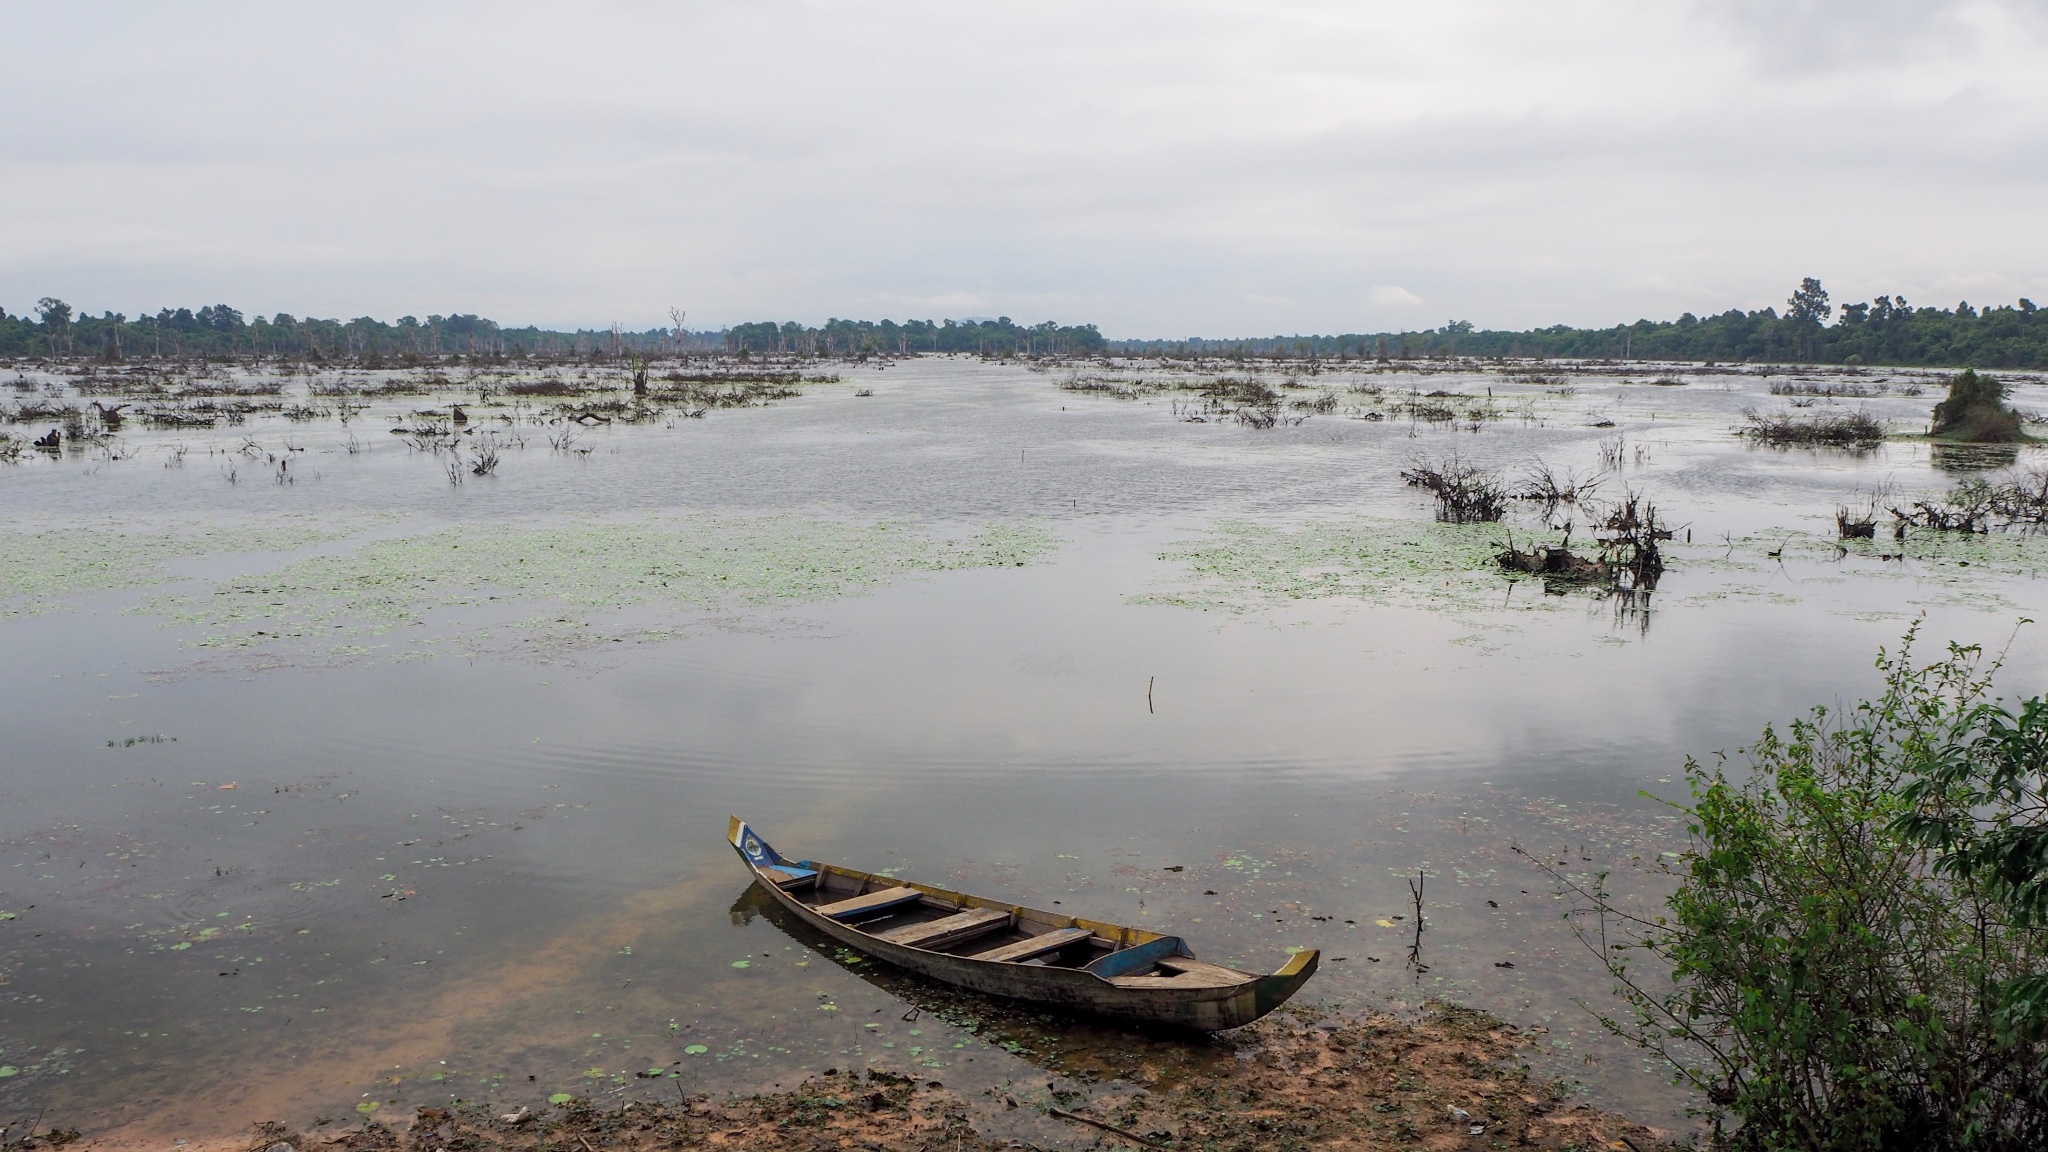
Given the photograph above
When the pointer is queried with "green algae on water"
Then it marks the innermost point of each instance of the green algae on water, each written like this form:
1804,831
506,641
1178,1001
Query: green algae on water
41,567
690,561
1241,567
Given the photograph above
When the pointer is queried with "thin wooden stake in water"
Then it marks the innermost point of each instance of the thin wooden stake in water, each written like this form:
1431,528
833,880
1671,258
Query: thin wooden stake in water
1415,949
1149,681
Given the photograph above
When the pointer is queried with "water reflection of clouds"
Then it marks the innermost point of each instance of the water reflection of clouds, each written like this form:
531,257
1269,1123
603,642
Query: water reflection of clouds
556,830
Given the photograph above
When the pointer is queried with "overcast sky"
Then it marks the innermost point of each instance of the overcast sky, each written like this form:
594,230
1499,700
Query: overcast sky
1160,169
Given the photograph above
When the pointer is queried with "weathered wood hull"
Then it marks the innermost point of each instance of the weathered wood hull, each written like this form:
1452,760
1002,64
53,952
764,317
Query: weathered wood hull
1188,993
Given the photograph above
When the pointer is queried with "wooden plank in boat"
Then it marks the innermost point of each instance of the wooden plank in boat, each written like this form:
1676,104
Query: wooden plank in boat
950,930
1189,966
1187,974
1036,946
872,902
1184,982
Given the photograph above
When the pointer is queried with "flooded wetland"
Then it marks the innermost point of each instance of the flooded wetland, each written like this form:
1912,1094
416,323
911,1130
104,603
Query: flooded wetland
371,735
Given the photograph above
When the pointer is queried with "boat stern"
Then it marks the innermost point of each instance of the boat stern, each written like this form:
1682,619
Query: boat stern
1273,991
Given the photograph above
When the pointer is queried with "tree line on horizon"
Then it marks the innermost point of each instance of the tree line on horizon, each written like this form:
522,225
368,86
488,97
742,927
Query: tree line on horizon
221,332
1887,331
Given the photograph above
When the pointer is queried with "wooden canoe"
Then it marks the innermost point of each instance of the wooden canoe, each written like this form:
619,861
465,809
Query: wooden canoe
1008,950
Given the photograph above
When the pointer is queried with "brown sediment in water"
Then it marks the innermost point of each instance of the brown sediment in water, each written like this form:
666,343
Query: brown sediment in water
406,1032
1365,1083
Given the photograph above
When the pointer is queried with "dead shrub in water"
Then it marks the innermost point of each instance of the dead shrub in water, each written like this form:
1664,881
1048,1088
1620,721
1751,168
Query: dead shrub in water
1541,482
1629,534
1824,429
2023,500
1803,388
1859,522
1966,508
1556,564
1266,417
1613,453
546,388
1978,505
1430,409
1464,494
1102,385
730,390
37,411
1243,391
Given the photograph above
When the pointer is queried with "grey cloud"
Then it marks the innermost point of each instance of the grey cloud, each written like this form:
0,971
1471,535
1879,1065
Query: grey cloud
1798,35
1161,169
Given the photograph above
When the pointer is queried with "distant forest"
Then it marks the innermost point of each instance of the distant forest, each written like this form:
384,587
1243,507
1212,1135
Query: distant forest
1885,331
221,332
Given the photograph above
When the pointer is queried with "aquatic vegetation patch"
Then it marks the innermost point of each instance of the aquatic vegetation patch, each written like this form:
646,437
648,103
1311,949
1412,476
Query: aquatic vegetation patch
1239,566
1942,557
1944,569
695,562
41,567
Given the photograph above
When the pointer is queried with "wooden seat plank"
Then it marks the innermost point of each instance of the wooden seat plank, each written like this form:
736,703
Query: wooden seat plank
1188,966
949,930
872,902
1036,946
1186,981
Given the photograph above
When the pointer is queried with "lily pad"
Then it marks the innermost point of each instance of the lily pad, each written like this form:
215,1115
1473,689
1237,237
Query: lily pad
560,1098
695,1050
368,1106
742,963
7,1070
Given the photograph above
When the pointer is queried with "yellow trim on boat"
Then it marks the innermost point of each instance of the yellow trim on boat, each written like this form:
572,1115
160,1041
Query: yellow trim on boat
1298,961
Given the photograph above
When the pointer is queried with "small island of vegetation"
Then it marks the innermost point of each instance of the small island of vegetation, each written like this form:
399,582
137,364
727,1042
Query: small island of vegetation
1975,412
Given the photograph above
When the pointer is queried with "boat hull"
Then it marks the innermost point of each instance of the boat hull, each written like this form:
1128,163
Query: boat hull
1228,1003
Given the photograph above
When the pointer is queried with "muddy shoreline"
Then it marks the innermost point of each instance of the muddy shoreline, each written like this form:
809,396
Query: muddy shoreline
1298,1079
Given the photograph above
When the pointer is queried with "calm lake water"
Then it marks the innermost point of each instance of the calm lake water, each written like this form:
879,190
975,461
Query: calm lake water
290,829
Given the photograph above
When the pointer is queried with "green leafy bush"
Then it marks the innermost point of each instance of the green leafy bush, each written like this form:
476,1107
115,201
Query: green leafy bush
1975,411
1856,949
